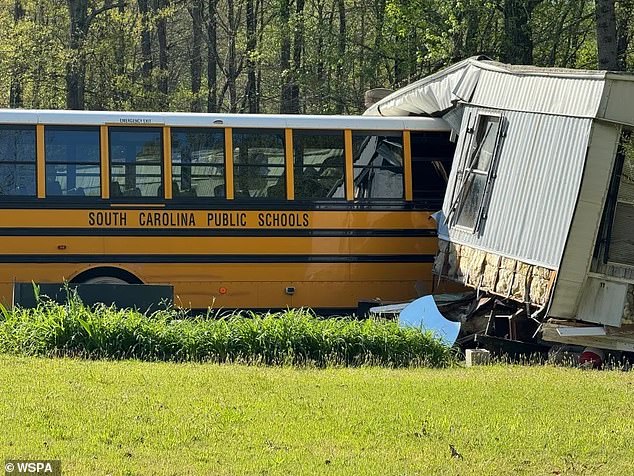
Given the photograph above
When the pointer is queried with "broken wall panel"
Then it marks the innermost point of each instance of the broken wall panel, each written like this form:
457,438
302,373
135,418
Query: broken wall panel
490,272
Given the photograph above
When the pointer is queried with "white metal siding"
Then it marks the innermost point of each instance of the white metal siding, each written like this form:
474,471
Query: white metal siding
533,197
568,96
584,228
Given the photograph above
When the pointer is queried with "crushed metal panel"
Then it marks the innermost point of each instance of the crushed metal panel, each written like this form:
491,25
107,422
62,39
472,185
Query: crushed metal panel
466,86
602,302
428,96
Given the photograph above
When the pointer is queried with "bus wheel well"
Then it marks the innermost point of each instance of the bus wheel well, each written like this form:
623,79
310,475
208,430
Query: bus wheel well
106,272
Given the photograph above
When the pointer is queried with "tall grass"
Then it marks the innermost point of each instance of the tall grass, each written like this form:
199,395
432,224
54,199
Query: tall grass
295,337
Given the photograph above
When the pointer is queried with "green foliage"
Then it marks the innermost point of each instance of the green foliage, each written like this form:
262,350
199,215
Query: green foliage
291,337
334,59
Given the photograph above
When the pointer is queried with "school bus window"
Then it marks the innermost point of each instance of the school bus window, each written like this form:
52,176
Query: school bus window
432,153
378,164
17,160
198,163
72,161
136,162
258,159
319,164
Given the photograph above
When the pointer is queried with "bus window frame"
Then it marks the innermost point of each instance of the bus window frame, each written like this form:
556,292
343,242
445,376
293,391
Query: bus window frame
325,131
36,164
98,164
198,199
263,199
388,132
138,199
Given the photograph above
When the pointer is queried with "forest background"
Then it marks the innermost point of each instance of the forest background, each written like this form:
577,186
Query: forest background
289,56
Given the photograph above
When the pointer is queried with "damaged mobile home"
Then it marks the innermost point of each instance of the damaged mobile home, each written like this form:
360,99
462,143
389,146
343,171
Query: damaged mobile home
539,207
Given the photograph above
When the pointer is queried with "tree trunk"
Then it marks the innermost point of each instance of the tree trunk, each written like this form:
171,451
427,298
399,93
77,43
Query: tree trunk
251,87
379,13
15,94
606,34
196,58
287,105
212,65
146,47
119,59
76,66
517,43
341,53
161,33
298,50
231,65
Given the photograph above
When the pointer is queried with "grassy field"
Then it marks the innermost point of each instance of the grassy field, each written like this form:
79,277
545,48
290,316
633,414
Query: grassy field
130,417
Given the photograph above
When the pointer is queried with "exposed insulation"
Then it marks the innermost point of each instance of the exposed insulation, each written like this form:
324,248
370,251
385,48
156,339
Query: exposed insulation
540,285
496,274
521,283
491,270
505,276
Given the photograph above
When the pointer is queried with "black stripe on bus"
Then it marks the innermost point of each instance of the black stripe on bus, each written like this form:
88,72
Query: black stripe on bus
206,232
223,258
223,205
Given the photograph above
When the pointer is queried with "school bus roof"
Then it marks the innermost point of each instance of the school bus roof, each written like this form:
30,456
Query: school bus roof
181,119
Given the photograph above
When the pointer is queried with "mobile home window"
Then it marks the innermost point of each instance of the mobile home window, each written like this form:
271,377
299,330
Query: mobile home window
378,165
621,244
72,161
17,160
476,174
258,161
198,163
319,164
136,162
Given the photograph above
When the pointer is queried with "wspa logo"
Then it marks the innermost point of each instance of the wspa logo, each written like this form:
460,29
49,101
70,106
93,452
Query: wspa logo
30,467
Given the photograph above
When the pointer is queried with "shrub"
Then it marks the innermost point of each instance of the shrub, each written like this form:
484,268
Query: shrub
296,337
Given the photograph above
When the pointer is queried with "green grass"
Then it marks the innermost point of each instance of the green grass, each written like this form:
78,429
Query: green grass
291,337
132,417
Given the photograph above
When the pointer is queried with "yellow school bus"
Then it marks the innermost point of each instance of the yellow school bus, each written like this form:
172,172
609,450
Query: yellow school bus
234,211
